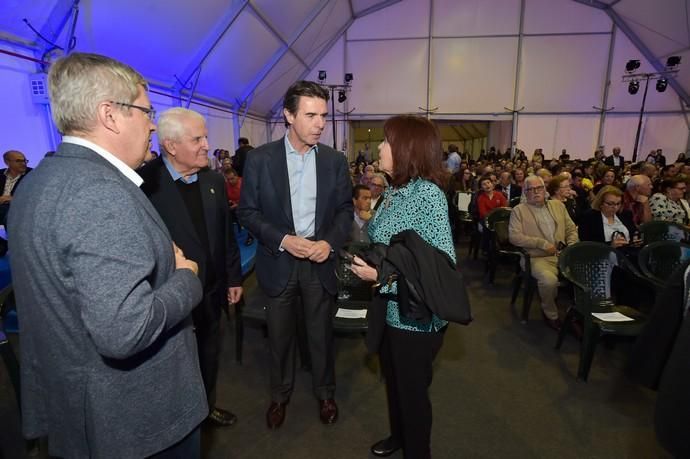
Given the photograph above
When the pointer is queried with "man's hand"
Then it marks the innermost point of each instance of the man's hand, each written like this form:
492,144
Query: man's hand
5,199
320,251
550,249
234,294
297,246
183,263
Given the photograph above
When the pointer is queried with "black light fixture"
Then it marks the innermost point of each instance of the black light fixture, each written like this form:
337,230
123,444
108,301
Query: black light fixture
672,61
633,87
348,77
322,75
632,65
341,96
661,84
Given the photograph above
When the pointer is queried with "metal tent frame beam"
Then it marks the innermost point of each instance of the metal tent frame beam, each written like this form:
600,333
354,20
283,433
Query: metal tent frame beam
209,44
372,9
284,49
637,41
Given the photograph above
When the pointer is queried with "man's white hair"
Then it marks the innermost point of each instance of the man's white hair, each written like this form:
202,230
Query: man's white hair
171,124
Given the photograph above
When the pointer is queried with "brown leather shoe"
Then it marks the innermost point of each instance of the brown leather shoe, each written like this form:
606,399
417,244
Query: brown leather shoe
275,415
552,323
328,411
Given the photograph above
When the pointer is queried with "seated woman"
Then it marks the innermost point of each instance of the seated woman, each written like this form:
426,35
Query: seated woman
489,199
667,205
604,223
559,188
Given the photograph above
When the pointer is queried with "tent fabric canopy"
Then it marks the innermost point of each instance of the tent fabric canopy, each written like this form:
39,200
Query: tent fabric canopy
557,63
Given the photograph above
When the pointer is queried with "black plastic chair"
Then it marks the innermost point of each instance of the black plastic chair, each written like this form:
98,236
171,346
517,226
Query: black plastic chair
588,266
658,230
353,294
6,352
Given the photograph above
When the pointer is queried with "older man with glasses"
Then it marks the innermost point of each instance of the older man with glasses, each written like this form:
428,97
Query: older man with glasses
10,177
109,359
377,186
542,228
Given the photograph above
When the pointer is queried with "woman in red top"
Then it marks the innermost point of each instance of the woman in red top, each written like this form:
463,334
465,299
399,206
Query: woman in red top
233,184
489,199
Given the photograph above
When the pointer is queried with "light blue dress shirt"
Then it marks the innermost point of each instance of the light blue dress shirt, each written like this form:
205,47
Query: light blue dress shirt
302,175
176,175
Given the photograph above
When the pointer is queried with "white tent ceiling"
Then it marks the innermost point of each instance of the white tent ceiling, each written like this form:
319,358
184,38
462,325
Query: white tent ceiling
245,53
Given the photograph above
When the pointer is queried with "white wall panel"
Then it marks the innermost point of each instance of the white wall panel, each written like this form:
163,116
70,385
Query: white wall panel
332,63
563,16
619,97
577,134
563,73
255,131
219,125
619,131
465,68
475,17
331,19
272,88
25,126
390,75
668,132
409,18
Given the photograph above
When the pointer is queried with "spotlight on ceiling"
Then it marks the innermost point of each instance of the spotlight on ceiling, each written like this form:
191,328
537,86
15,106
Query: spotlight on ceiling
661,84
322,75
348,77
633,87
632,65
341,96
672,61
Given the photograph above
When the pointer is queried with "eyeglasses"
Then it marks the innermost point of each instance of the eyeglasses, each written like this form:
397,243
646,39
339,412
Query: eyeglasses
535,189
149,111
376,185
23,161
612,204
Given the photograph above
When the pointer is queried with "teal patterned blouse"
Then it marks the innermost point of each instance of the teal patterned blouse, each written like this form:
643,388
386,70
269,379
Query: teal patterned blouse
419,205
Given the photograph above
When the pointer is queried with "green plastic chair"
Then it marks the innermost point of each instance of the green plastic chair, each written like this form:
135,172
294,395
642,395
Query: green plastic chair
588,266
658,230
496,223
659,260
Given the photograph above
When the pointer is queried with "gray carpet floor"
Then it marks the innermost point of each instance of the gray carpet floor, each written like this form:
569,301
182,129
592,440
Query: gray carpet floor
500,390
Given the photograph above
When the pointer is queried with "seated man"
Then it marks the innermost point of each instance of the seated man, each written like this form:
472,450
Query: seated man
10,178
361,199
540,227
377,186
636,198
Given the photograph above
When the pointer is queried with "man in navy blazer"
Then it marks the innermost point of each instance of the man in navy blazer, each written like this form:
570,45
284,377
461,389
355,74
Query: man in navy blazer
108,356
297,201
